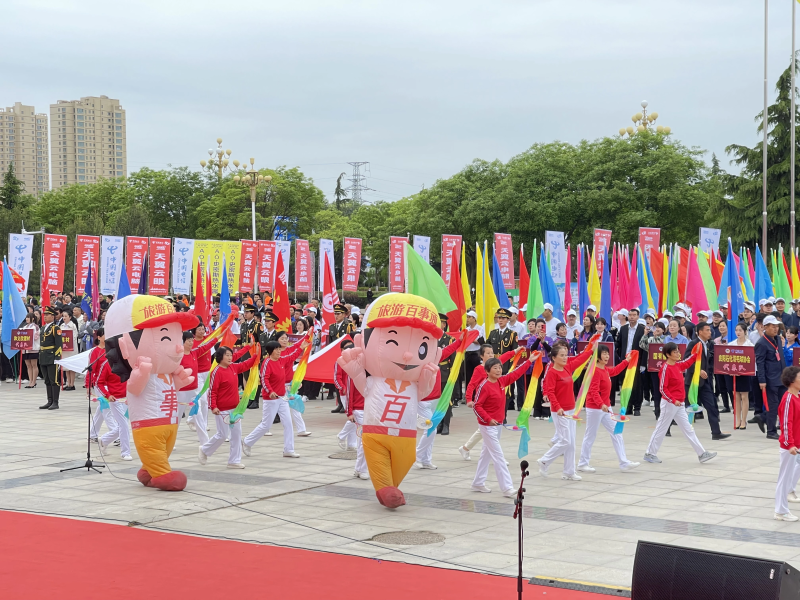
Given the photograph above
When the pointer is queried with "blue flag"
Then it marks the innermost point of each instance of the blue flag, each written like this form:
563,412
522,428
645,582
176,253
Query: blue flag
124,285
497,283
86,301
549,290
14,310
651,282
763,283
224,295
732,286
744,275
583,291
143,281
605,291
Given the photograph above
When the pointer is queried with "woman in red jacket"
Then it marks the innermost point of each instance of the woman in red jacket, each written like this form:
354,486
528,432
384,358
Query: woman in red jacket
490,408
192,353
289,354
558,388
223,397
598,411
115,391
789,416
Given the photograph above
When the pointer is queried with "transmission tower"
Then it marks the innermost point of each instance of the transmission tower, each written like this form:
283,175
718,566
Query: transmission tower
358,183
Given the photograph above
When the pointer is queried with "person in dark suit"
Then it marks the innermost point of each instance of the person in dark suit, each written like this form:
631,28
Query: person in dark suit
770,363
629,338
705,393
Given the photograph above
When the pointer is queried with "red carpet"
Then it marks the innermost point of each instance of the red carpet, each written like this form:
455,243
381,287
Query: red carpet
54,558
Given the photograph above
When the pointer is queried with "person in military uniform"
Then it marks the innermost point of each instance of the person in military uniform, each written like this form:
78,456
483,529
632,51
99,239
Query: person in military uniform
49,353
269,334
250,329
503,339
338,329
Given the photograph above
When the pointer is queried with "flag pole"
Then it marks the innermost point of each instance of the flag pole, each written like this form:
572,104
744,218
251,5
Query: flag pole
764,147
792,153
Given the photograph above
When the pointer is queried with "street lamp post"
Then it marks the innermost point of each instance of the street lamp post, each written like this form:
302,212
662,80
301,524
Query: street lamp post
252,179
642,121
221,162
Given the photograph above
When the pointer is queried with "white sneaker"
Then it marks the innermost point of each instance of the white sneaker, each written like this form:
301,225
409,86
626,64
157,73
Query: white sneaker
343,443
360,475
291,455
269,433
481,488
587,469
510,493
352,449
304,433
464,453
201,457
792,497
235,466
786,517
571,477
430,466
127,457
24,381
542,468
102,445
192,426
632,465
227,440
246,449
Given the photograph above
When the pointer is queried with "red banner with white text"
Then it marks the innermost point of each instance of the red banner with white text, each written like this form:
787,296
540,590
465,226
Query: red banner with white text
397,264
602,240
54,255
87,251
302,267
451,247
159,263
649,237
351,266
266,265
135,249
505,258
248,262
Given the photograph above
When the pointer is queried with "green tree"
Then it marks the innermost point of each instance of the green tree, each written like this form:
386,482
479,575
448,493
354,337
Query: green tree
13,189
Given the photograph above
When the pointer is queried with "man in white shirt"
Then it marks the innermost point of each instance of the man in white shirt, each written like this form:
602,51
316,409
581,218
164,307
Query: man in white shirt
572,324
551,322
514,323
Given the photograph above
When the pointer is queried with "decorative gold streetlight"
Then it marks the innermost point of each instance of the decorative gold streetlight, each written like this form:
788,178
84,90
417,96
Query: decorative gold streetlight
220,161
252,179
642,121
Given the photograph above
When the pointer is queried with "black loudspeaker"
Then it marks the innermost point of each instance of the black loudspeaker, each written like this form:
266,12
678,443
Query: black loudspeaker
662,572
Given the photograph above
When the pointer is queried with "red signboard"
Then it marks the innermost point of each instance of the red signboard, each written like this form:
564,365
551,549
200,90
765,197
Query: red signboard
87,251
21,339
397,264
602,240
54,256
612,359
649,237
160,256
505,258
266,265
302,267
656,357
451,247
135,250
351,265
796,357
67,341
248,262
732,359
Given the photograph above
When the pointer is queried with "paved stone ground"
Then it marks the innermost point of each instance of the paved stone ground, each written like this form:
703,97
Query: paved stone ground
583,530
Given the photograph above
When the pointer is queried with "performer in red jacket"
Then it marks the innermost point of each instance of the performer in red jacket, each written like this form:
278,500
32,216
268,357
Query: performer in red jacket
598,411
192,354
96,359
289,354
558,388
115,392
789,415
490,408
353,401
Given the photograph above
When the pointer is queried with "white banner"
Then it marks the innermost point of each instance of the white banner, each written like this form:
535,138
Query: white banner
20,253
182,253
422,245
709,238
111,259
284,247
326,247
557,252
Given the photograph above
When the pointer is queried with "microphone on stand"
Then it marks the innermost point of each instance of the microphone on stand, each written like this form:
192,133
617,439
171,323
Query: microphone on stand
524,466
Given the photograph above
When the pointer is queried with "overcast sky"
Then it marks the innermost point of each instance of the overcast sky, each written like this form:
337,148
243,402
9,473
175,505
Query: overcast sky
418,89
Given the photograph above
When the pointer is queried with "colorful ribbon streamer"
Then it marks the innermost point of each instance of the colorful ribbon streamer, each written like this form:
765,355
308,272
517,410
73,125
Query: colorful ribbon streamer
250,388
525,414
467,338
694,387
216,334
300,371
587,381
627,388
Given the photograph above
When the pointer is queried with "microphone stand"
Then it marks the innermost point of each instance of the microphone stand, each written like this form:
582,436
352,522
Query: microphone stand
518,515
89,464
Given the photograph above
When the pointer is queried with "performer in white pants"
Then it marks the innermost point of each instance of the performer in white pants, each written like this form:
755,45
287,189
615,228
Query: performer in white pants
789,416
115,391
347,436
203,367
288,355
100,416
96,360
192,354
353,403
425,441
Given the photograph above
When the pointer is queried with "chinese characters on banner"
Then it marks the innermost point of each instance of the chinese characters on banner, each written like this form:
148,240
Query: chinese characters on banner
248,271
505,258
21,339
656,356
735,360
20,253
182,252
451,245
87,250
649,237
111,250
302,267
709,239
351,264
135,249
397,264
54,255
326,248
602,240
160,256
422,245
557,254
266,265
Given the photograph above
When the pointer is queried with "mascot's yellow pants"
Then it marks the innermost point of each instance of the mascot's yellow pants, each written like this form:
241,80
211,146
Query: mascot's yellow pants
154,445
389,458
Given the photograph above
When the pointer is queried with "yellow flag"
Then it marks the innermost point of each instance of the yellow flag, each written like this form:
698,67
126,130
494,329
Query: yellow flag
795,274
479,284
465,283
490,303
595,291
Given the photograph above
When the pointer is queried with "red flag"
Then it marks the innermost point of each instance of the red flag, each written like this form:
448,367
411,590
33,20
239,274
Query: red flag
320,365
682,273
329,297
18,279
568,280
657,268
615,297
716,274
200,306
634,293
456,318
280,303
524,284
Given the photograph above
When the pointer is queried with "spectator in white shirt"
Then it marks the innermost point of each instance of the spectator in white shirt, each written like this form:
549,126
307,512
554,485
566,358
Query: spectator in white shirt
515,325
572,324
549,320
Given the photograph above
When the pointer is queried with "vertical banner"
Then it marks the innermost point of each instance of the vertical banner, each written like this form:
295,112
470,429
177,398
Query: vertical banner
303,267
135,249
55,252
20,256
182,259
111,251
397,264
284,249
709,239
422,244
266,265
451,246
247,271
351,264
160,256
602,240
557,253
505,258
201,256
233,254
649,237
87,250
326,248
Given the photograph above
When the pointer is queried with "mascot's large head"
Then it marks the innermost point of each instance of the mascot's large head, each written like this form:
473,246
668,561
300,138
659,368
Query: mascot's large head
140,325
401,334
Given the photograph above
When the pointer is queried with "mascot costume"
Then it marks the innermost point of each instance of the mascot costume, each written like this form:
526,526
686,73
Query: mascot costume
394,365
144,346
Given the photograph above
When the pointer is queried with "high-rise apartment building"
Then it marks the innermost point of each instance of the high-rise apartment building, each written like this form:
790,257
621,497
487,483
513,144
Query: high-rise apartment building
23,141
89,140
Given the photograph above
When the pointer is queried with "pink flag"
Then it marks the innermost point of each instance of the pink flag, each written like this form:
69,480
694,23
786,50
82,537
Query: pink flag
615,298
568,279
695,291
751,267
634,295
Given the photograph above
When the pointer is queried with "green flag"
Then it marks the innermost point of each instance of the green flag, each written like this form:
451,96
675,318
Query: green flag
709,285
782,287
424,281
535,297
673,297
